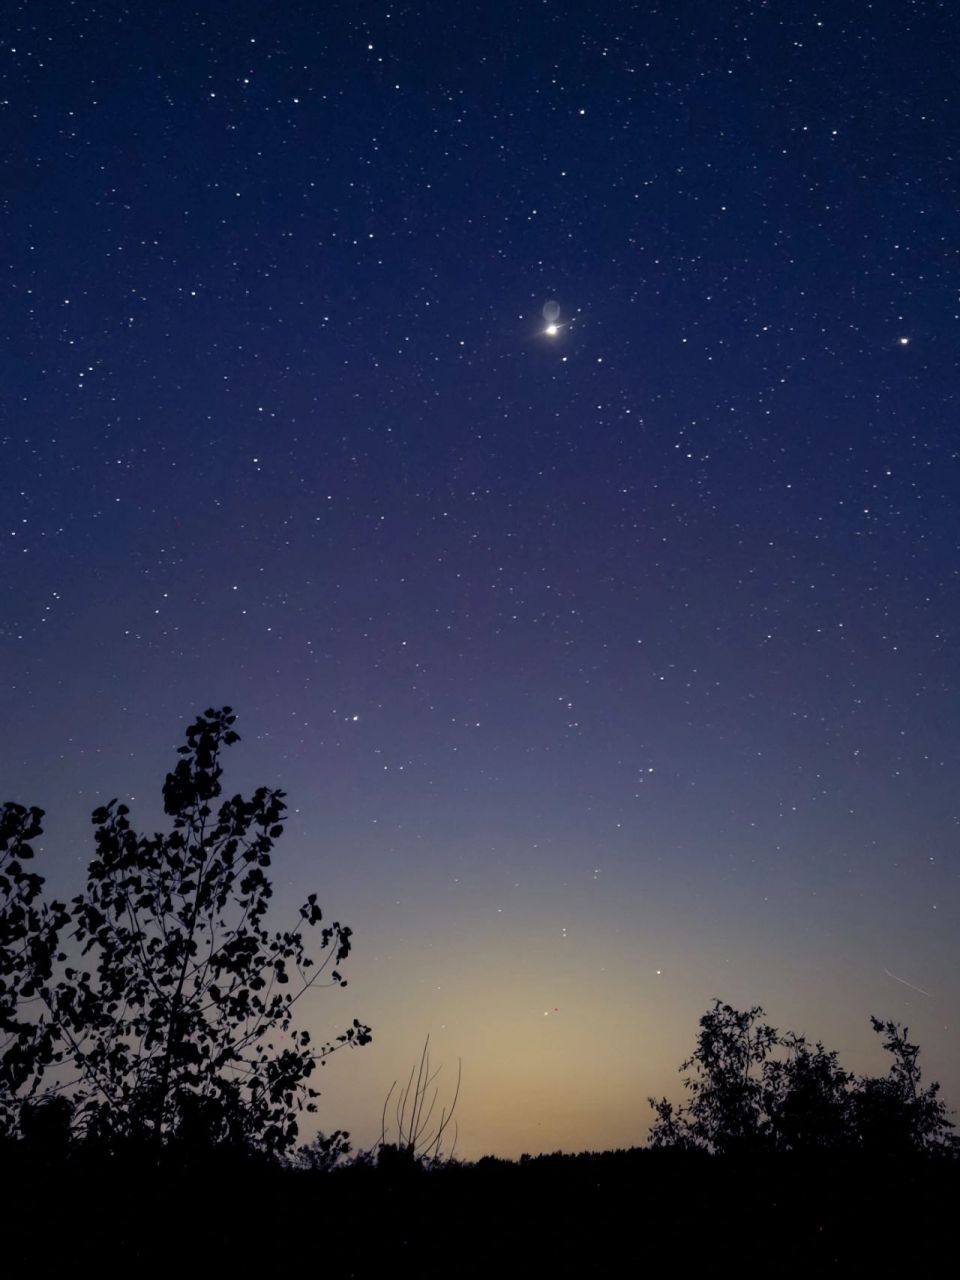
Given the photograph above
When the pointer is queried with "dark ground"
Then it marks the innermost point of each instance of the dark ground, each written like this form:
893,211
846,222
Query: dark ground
589,1215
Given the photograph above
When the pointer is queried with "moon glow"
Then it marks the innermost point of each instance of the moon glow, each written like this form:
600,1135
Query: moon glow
551,315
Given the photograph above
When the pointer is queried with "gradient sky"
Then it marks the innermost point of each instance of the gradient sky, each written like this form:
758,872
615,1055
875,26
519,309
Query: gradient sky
606,672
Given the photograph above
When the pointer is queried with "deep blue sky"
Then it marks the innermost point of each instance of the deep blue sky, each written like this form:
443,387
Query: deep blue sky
607,671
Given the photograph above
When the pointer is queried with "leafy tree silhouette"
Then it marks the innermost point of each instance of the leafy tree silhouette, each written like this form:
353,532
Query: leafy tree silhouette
895,1115
725,1112
807,1097
29,947
752,1090
174,1036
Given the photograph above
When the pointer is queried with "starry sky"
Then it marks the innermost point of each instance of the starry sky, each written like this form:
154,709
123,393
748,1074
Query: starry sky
607,670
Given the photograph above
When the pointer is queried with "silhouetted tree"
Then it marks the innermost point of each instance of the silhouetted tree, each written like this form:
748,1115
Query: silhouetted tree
29,947
182,1031
725,1112
751,1089
895,1114
807,1098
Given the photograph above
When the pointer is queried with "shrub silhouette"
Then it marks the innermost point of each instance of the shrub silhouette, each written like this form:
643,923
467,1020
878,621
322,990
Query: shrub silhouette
895,1115
753,1091
172,1036
326,1152
418,1144
725,1112
807,1097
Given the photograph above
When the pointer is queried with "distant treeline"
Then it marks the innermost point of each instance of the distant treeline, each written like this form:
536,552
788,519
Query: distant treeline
591,1214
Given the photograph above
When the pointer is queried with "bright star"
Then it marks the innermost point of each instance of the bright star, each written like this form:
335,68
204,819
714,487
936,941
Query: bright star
552,330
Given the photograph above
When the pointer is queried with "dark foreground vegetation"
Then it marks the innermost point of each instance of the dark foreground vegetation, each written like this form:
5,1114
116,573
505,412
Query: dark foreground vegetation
152,1084
622,1212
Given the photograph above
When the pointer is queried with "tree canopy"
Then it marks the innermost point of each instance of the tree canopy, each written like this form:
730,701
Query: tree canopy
156,1008
752,1090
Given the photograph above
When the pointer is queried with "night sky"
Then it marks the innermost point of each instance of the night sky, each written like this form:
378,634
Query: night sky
607,670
